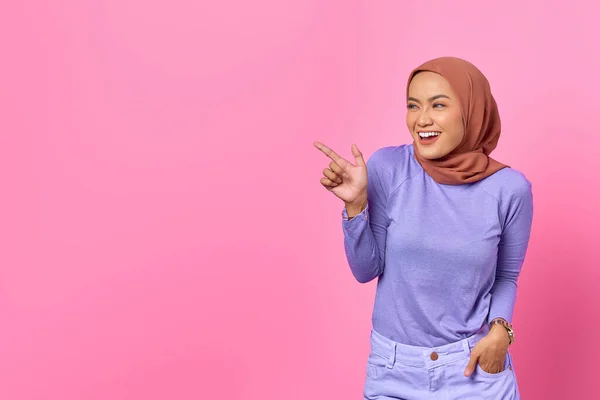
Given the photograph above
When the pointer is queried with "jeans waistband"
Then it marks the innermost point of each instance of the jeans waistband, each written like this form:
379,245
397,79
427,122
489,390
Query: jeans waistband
426,357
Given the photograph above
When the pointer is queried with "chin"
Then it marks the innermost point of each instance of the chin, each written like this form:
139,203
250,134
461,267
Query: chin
431,152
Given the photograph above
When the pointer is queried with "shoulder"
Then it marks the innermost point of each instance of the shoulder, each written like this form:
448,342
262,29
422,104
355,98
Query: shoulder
391,159
511,180
508,186
390,166
389,154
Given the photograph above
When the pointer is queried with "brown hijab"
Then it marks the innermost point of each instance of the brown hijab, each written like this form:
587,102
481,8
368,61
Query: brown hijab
470,161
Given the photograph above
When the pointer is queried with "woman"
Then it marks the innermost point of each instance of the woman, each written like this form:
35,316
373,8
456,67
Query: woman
445,229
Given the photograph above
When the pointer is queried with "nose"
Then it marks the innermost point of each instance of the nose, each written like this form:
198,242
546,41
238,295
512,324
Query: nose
424,118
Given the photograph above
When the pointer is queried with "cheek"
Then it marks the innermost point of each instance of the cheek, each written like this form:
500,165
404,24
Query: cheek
459,131
455,138
455,128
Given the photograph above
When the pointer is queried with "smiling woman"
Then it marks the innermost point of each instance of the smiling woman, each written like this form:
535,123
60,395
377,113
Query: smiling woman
444,228
434,115
452,97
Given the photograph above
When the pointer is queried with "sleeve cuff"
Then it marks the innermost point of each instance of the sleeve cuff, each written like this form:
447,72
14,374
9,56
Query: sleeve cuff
363,214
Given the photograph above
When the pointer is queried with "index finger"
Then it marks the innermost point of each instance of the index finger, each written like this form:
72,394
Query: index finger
332,154
473,360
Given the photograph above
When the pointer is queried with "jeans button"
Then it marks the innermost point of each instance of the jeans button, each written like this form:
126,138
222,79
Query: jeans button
434,356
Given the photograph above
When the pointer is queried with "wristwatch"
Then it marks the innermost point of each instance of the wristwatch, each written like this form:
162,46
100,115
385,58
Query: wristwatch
509,328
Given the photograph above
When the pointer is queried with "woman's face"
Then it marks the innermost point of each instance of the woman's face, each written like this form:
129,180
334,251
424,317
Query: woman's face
433,116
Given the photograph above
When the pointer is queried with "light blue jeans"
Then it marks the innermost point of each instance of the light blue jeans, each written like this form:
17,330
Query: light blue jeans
398,371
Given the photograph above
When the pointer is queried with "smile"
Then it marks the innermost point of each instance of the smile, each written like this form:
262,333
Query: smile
424,135
427,138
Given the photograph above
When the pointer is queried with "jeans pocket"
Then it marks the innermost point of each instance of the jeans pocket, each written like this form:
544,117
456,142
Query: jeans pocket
507,369
376,364
379,357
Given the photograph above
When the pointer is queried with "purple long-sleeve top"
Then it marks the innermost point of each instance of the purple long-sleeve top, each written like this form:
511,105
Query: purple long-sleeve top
447,257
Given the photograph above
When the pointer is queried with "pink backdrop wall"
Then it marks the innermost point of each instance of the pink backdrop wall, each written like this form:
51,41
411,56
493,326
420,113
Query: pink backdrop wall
164,233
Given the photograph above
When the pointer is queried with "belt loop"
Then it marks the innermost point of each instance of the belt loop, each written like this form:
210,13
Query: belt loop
392,359
466,346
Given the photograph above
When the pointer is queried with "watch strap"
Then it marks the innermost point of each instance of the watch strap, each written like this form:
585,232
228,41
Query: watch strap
507,326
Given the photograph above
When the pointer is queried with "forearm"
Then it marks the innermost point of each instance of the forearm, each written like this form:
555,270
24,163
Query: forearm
356,207
365,227
511,253
504,293
361,247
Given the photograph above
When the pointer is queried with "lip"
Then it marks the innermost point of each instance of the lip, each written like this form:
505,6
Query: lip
427,142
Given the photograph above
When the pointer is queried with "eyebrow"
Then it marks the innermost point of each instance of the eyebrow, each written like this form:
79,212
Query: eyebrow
432,98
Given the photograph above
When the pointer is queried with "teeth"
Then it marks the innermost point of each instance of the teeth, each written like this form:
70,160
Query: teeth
428,134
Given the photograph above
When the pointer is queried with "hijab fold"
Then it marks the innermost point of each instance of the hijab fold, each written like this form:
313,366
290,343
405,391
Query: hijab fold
470,161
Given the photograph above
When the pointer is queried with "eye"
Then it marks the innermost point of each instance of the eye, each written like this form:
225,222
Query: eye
411,106
439,105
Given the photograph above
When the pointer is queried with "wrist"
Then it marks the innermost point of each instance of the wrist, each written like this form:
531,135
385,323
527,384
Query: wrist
499,327
499,333
356,207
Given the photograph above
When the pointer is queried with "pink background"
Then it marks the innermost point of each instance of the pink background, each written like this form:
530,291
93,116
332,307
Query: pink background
164,234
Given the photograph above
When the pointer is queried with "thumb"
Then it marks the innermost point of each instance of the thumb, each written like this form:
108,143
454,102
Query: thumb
471,365
358,156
